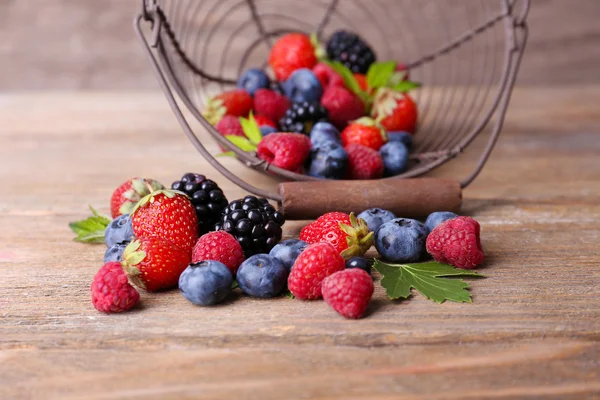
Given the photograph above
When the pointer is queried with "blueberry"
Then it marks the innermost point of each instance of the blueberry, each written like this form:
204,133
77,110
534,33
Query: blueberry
324,132
328,160
262,275
395,158
401,240
402,137
375,217
266,129
252,80
303,85
115,252
360,262
206,283
287,251
437,218
119,230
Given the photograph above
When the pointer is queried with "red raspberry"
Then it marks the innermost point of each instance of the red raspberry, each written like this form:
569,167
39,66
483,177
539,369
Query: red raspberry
363,162
314,264
456,242
263,120
111,292
327,76
284,150
348,292
342,105
291,52
270,104
230,125
219,246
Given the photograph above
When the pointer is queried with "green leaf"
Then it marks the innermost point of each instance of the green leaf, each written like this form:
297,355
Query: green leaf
405,86
91,229
226,154
287,293
429,279
347,76
251,129
380,73
234,284
241,142
320,52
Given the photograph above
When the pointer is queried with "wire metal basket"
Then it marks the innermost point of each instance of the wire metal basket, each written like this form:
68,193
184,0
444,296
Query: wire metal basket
466,53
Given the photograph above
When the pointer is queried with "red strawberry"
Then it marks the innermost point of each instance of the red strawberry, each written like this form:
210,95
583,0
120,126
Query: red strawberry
363,162
219,246
235,102
396,111
263,120
271,104
349,236
327,76
348,292
284,150
154,264
314,264
342,105
456,242
364,131
126,196
291,52
166,215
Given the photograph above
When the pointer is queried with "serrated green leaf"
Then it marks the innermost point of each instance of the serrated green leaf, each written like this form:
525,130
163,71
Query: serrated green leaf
429,278
347,76
379,74
91,229
251,129
226,154
241,142
405,86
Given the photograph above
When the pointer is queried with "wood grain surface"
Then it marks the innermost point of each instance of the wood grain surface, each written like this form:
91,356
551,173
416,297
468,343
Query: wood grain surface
533,330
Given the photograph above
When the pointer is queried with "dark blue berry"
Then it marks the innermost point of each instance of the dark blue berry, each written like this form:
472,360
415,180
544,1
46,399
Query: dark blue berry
401,240
206,283
328,160
287,251
436,218
402,137
262,275
266,130
360,262
395,158
324,132
375,217
115,252
303,85
119,230
252,80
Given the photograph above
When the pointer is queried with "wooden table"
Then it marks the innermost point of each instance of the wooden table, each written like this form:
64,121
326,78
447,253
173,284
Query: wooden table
532,331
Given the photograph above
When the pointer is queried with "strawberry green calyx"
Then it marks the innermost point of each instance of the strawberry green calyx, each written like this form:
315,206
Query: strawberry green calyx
132,256
320,52
215,110
385,102
368,121
139,188
359,238
149,198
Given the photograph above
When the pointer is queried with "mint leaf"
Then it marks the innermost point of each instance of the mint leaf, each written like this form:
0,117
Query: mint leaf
347,76
405,86
241,142
91,229
226,154
379,74
251,129
429,279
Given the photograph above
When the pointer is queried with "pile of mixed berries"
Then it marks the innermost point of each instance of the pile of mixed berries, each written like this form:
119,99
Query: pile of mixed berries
332,113
192,237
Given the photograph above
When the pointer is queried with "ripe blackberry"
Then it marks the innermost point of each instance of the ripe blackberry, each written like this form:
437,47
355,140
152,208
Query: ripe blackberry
349,49
254,223
301,117
206,196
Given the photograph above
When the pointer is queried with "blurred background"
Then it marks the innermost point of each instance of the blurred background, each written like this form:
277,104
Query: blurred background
90,45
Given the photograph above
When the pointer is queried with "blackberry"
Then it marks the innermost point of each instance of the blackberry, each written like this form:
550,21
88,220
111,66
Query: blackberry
301,117
206,196
349,49
254,223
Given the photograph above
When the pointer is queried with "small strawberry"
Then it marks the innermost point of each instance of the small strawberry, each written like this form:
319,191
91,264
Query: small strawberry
396,111
126,196
349,236
364,131
327,76
154,264
285,150
235,102
314,264
271,104
342,105
168,215
263,120
348,292
291,52
363,162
